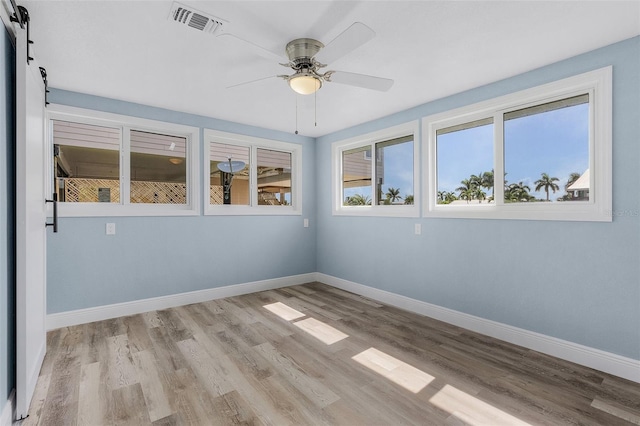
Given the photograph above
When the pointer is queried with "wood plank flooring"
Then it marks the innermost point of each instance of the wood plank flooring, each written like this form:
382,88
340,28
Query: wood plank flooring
310,355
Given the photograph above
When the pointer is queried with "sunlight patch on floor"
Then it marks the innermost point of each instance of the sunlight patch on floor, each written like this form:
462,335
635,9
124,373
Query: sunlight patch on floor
321,331
470,409
283,311
393,369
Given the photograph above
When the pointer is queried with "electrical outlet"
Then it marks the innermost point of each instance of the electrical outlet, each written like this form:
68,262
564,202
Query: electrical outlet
418,229
306,223
111,229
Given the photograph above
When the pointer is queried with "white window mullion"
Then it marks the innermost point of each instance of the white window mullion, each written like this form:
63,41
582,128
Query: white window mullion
593,154
125,165
374,175
498,159
253,176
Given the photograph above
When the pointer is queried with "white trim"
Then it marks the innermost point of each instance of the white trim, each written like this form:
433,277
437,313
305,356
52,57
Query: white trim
99,313
598,84
253,143
6,419
607,362
6,11
125,122
338,209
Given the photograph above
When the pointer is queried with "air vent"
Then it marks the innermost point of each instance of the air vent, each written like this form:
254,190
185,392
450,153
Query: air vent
195,19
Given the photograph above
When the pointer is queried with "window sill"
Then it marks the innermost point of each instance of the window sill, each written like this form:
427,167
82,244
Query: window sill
582,212
231,210
378,211
119,210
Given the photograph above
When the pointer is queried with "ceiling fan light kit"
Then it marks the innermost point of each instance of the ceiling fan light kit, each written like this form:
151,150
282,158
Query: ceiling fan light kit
304,83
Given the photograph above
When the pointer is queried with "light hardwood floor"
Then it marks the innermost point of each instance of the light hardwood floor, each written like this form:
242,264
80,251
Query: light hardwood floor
308,355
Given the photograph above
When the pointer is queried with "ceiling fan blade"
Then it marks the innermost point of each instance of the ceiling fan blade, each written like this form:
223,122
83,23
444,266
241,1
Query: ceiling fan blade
350,39
251,81
261,51
361,80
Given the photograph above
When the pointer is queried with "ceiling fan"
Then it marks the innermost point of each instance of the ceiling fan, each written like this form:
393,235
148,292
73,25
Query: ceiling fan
307,56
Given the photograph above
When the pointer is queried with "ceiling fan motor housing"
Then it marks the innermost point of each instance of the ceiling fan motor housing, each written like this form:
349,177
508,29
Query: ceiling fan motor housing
301,52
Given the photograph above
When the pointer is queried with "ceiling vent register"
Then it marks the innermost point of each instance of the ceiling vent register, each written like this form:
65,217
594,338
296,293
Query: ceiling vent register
195,19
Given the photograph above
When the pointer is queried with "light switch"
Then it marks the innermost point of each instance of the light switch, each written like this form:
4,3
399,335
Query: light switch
306,223
111,229
418,229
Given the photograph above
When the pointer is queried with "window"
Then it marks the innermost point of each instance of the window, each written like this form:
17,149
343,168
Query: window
546,150
541,154
465,163
376,174
250,175
221,180
86,162
105,164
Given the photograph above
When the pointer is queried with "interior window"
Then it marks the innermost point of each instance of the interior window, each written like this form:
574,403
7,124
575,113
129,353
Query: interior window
229,174
158,168
274,177
86,162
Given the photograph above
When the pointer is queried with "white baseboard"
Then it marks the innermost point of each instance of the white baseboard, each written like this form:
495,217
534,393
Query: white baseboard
607,362
6,418
99,313
594,358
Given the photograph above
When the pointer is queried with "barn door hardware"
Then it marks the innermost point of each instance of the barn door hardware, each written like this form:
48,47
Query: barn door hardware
21,16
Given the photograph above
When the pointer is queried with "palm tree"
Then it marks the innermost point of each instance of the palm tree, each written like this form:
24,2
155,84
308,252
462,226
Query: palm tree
487,182
393,194
517,192
467,184
547,183
479,194
476,180
408,199
449,197
358,200
467,194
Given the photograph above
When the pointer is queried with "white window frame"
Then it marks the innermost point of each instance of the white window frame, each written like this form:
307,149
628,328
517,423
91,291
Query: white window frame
125,124
253,143
370,139
598,84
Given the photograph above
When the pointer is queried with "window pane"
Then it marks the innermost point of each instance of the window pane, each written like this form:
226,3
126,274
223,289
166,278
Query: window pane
464,162
86,163
274,178
394,171
229,184
158,168
546,152
356,176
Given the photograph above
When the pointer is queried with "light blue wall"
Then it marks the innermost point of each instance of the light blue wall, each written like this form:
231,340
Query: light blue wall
7,206
577,281
156,256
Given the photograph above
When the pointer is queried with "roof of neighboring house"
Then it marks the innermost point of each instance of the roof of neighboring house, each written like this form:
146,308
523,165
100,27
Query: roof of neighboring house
581,184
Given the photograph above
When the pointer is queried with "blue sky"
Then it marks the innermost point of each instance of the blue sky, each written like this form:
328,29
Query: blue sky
554,142
398,171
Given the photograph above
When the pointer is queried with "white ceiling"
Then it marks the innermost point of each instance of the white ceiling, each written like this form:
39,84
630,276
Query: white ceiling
129,50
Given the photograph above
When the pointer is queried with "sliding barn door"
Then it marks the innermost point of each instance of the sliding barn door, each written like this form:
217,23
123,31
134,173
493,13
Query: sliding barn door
30,225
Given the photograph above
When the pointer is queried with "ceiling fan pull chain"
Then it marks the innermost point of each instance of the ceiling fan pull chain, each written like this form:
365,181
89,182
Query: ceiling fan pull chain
315,109
296,114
